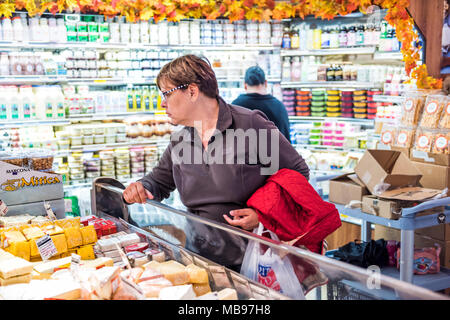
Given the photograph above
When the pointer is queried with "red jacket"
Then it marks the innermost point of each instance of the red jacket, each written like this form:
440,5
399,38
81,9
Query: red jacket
290,207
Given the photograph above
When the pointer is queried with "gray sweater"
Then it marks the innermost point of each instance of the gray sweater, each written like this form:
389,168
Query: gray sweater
222,178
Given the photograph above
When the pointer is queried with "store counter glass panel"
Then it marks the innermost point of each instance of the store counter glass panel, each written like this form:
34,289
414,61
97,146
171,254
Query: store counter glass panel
280,272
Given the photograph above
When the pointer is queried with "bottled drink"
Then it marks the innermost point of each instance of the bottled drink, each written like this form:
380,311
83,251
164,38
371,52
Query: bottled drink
286,41
309,39
334,38
303,37
325,39
343,37
360,36
330,73
338,74
8,34
17,29
317,38
351,37
296,70
368,35
286,72
295,39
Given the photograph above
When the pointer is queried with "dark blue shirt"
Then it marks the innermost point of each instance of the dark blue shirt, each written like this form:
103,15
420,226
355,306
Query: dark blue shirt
272,107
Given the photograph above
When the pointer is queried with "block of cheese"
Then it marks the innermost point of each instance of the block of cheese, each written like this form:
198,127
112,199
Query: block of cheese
88,234
14,267
69,222
60,242
129,239
52,229
201,288
4,255
149,274
227,294
105,281
97,263
112,254
34,251
33,233
73,237
196,274
132,274
50,265
86,252
184,292
20,249
152,264
152,288
10,236
17,279
173,271
108,244
40,276
62,289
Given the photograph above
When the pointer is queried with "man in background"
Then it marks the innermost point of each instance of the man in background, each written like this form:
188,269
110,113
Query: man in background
256,97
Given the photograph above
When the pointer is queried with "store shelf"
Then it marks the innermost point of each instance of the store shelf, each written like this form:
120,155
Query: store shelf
327,148
19,80
367,122
131,46
327,52
109,116
31,123
103,146
396,56
331,84
391,99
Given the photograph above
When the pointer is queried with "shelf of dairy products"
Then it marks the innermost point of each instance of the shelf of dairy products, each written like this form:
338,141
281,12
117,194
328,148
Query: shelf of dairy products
326,52
327,148
396,55
131,46
330,84
367,122
32,123
106,116
99,147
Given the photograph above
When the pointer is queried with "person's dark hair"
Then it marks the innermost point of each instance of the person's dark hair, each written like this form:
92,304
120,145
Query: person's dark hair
254,76
189,69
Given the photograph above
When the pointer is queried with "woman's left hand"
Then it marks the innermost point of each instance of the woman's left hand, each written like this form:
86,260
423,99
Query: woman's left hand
245,218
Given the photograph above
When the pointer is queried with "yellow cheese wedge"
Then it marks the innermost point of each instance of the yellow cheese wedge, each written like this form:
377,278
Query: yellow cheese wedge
26,278
173,271
34,251
11,236
86,252
201,288
88,234
68,222
97,263
36,259
33,233
52,229
20,249
60,242
73,237
14,267
196,274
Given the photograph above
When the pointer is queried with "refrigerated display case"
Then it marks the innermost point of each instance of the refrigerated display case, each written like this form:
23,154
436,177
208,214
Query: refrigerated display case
173,230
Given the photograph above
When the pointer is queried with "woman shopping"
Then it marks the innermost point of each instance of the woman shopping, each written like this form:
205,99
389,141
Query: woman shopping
219,158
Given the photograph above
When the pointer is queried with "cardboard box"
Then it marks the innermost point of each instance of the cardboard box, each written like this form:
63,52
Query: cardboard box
433,176
346,188
420,241
381,207
386,166
431,158
440,232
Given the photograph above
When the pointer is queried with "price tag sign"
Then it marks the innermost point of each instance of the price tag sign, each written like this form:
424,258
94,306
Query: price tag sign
49,211
46,247
3,208
75,264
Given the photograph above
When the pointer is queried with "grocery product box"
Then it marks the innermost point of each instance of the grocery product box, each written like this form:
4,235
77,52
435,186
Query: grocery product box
428,157
433,176
440,232
420,241
346,188
385,208
378,167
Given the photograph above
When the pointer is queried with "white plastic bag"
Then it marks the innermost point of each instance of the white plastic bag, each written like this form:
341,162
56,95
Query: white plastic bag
269,269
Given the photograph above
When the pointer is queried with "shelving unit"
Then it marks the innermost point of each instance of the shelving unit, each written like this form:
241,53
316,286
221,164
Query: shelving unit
330,84
327,148
328,52
31,123
367,122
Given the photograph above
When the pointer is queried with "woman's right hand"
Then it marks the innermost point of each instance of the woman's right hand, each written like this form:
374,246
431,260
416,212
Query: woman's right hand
136,193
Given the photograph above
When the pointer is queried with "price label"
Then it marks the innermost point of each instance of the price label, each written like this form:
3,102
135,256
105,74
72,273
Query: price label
402,138
441,142
3,208
447,108
423,141
46,247
49,211
387,137
409,104
432,107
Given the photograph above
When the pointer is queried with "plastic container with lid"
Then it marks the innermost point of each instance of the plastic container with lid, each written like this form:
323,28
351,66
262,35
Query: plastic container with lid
313,141
359,104
76,140
333,103
333,98
88,139
333,114
359,98
99,139
121,137
64,144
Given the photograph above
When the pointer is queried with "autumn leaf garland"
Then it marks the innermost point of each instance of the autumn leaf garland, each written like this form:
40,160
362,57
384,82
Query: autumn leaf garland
234,10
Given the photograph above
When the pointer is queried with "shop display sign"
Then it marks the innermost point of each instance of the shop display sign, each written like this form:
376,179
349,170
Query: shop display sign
46,247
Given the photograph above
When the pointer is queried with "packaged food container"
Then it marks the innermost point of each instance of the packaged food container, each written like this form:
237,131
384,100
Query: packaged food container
359,110
110,138
359,92
315,141
315,136
122,171
359,104
347,104
99,130
327,131
122,161
302,109
339,138
138,169
333,98
303,113
76,140
328,137
333,109
347,93
99,139
318,98
88,139
333,103
40,161
93,174
123,177
359,98
108,173
121,129
333,114
62,134
303,92
327,143
318,92
371,116
347,114
347,98
110,130
64,144
360,115
338,144
106,154
333,92
121,137
373,104
87,130
317,114
108,167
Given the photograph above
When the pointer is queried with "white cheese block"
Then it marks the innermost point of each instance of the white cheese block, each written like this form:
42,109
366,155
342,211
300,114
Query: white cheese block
184,292
17,279
105,281
129,239
50,265
14,267
108,244
227,294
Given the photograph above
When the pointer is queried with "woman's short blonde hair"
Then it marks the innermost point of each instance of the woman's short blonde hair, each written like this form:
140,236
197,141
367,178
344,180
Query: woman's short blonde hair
189,69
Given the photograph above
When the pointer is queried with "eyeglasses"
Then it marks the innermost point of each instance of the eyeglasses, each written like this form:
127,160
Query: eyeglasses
166,94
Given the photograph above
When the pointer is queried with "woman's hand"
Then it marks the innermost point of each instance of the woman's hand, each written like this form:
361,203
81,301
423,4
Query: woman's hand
136,193
245,218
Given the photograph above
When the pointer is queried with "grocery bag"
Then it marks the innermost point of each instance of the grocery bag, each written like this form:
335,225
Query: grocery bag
269,269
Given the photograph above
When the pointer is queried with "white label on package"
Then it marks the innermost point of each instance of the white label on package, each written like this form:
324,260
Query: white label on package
422,155
3,208
46,247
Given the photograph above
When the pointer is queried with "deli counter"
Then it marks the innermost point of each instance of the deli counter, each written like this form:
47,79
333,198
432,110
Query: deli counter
192,239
